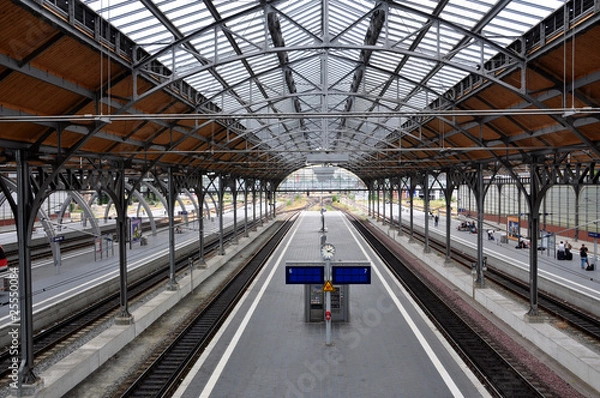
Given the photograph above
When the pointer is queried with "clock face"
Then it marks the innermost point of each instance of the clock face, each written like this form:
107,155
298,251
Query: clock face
327,251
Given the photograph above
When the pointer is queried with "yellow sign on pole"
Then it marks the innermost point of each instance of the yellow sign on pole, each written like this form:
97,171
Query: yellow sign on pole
328,287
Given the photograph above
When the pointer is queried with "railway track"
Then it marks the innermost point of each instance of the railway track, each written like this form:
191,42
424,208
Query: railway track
496,369
160,376
94,314
40,249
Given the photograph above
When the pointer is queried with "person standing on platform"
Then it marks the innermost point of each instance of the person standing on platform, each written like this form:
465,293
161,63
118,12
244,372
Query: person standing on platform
560,253
583,251
436,219
568,254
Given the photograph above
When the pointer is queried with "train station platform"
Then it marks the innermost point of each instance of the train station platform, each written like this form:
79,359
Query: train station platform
554,274
386,348
576,359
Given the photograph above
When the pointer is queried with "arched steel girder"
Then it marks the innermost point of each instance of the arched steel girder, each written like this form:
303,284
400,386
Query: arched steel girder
141,200
193,199
165,189
8,186
87,211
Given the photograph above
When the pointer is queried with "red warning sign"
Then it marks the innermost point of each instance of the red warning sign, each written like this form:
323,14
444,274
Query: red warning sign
327,315
328,287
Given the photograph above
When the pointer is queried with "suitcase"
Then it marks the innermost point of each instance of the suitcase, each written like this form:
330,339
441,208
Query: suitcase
568,256
560,255
590,267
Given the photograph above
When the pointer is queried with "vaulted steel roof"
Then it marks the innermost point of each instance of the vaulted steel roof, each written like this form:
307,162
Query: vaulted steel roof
262,88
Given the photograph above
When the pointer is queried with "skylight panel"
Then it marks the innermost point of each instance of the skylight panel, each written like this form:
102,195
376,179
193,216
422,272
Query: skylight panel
306,25
426,6
263,64
386,60
228,8
521,16
175,10
117,10
343,14
206,84
461,16
374,81
155,36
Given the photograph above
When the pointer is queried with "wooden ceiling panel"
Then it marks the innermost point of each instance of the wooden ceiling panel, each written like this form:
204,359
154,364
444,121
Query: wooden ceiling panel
21,33
35,97
532,123
21,132
538,81
496,96
158,102
504,126
69,60
566,65
102,145
135,130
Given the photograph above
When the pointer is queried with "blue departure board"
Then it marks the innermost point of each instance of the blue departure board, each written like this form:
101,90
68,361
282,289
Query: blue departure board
351,274
304,274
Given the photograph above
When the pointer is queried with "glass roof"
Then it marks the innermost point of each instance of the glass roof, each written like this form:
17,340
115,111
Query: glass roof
309,75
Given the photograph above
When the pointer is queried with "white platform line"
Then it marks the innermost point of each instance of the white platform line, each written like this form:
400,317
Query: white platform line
414,328
216,374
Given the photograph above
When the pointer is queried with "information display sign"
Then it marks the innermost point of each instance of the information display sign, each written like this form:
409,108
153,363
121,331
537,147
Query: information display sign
304,274
351,274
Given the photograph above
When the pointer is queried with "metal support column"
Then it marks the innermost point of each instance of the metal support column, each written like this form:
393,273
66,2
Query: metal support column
245,208
221,194
391,205
369,194
412,209
427,248
534,232
382,204
172,197
24,224
479,192
200,195
120,199
399,207
448,196
260,207
234,199
254,206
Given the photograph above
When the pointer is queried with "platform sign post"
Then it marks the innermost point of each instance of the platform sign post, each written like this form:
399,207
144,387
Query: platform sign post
327,252
327,303
595,235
